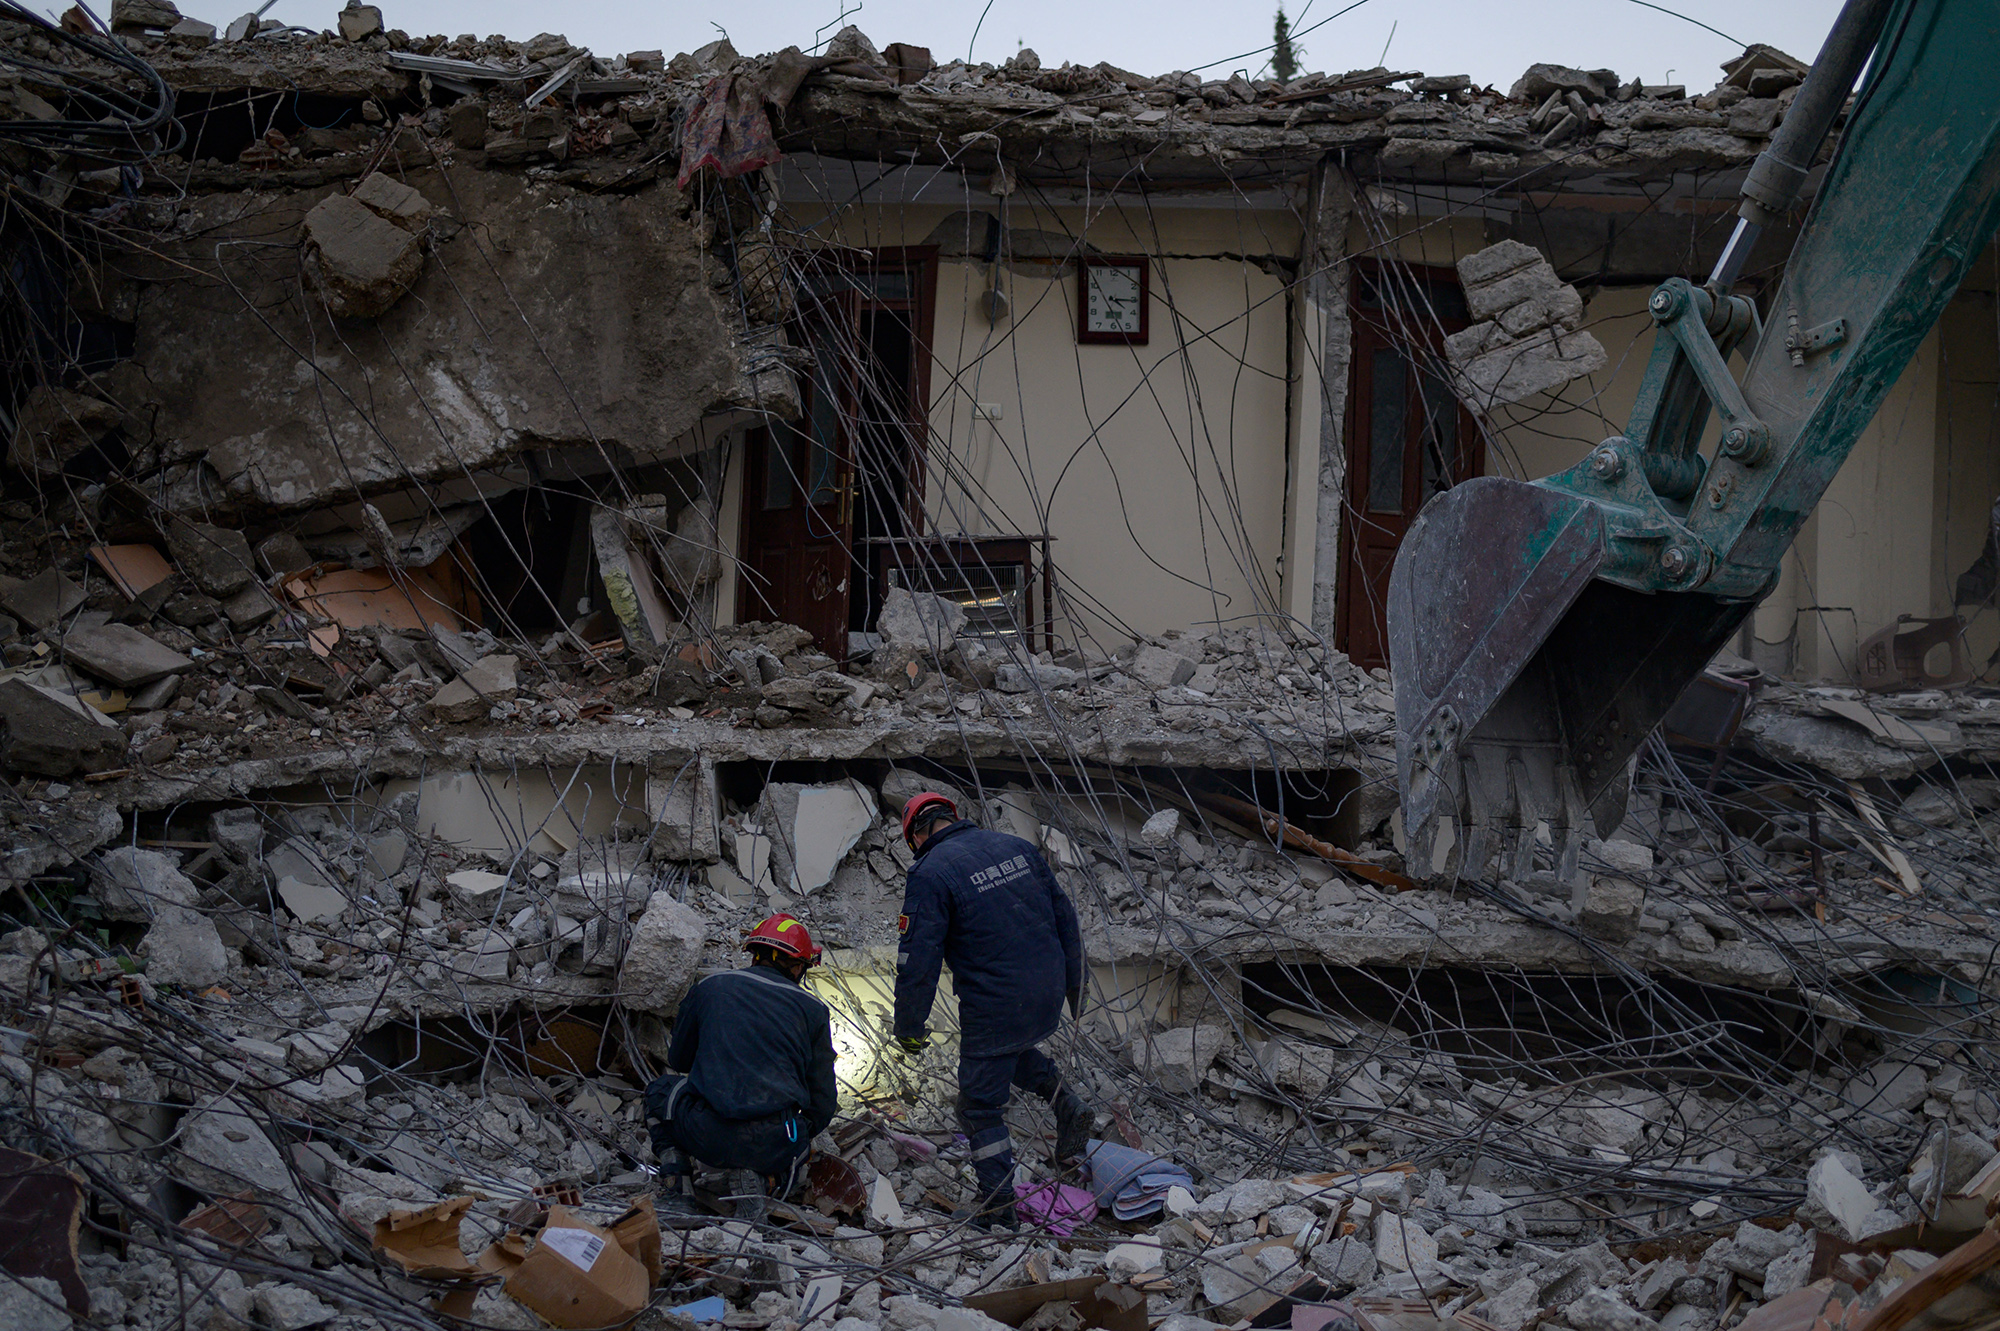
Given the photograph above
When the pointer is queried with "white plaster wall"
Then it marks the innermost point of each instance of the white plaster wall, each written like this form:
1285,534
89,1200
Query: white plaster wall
1968,467
1869,554
1160,470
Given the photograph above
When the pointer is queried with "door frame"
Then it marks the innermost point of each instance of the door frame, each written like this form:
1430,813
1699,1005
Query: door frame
920,305
1369,330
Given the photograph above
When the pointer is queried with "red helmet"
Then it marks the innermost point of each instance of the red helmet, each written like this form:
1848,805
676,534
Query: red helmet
784,934
919,804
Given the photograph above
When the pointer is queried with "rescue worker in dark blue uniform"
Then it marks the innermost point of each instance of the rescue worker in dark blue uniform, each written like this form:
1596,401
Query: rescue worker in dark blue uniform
750,1073
988,905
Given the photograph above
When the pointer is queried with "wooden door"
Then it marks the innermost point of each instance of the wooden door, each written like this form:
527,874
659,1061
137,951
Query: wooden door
818,495
1407,436
798,508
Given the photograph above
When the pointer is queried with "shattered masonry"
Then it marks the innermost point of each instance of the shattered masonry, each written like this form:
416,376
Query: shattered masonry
390,737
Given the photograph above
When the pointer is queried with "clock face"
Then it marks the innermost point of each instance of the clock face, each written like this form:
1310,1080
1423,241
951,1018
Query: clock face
1111,301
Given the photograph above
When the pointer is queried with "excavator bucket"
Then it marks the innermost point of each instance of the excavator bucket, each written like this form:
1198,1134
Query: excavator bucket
1523,682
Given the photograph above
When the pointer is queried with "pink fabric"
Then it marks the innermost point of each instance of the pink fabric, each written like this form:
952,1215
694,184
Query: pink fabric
1056,1207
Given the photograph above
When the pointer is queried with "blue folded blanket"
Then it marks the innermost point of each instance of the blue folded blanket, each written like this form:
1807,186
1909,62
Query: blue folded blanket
1130,1183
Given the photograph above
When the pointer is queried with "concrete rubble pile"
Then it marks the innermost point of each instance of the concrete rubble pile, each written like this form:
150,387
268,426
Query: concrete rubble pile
256,1034
344,925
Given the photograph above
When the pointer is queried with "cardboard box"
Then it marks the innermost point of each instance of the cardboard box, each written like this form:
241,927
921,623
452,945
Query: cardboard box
425,1242
579,1276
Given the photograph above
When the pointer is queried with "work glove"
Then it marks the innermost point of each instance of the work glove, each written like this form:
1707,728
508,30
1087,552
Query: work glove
913,1046
1076,1002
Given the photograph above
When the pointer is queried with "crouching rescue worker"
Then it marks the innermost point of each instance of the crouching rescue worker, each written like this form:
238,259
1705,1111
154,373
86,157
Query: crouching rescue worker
988,905
750,1073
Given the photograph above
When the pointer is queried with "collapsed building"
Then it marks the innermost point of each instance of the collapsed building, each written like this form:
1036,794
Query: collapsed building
485,522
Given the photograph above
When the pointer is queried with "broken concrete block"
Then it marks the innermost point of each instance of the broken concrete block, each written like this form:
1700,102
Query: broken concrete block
828,823
610,878
1595,85
1536,284
311,902
1401,1244
299,857
966,1319
393,201
43,600
54,426
1161,828
1159,668
283,554
467,122
182,947
753,860
918,619
1515,1306
240,29
1885,1086
488,954
1628,859
812,828
360,262
1837,1201
1558,305
132,884
475,889
1344,1263
215,559
1525,342
223,1151
192,31
250,608
1253,1197
685,810
1599,1310
1515,371
1754,1248
1790,1272
155,695
240,833
122,655
1496,261
1240,1287
142,15
1965,1155
663,957
1611,908
1034,676
358,21
1178,1059
33,1303
386,853
472,695
49,733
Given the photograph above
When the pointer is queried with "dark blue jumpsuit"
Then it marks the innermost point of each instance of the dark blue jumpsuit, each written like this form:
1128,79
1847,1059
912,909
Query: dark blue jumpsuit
751,1080
988,905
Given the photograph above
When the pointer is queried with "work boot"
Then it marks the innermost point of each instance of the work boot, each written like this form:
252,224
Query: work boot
994,1207
676,1183
994,1212
746,1190
1074,1120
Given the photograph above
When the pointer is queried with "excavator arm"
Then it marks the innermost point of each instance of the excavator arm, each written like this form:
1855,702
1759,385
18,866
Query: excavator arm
1539,630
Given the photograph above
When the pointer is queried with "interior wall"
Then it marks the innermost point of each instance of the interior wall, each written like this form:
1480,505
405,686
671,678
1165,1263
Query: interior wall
1159,470
1968,467
1873,532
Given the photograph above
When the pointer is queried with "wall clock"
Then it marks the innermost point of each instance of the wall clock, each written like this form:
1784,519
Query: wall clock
1112,301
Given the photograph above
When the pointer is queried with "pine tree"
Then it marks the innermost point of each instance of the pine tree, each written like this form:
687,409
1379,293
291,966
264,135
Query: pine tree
1284,60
